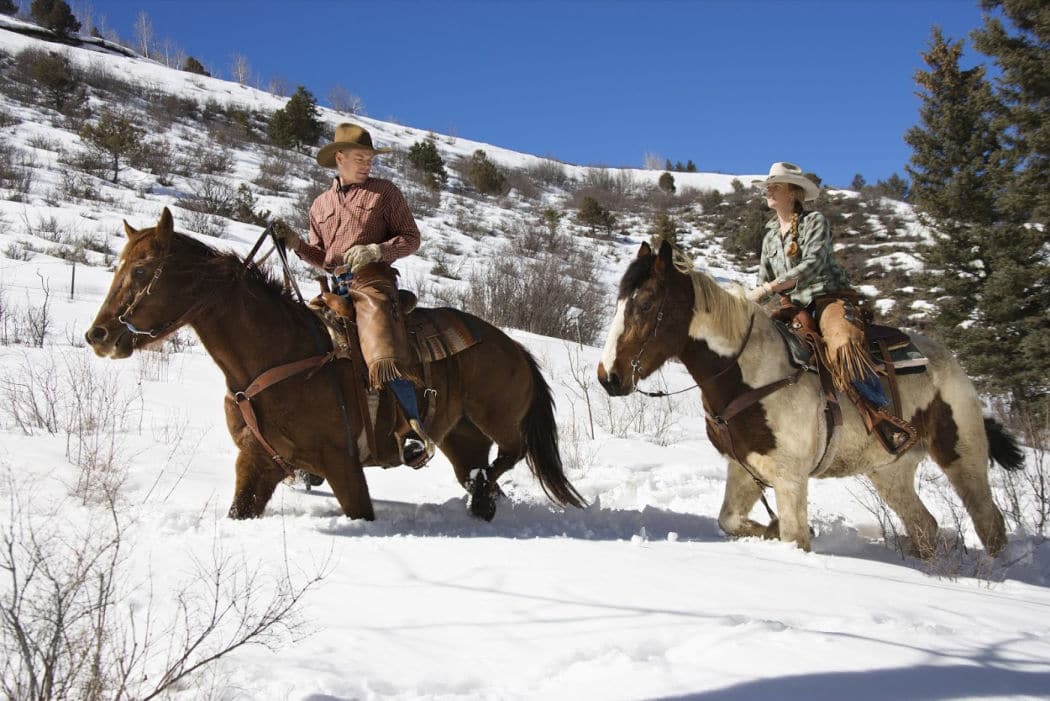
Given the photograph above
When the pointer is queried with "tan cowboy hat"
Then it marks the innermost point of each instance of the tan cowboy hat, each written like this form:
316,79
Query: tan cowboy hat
790,173
347,136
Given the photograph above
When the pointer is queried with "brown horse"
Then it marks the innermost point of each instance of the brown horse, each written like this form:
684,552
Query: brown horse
489,393
729,345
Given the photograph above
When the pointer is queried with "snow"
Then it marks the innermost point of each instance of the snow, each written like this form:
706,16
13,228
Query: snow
637,596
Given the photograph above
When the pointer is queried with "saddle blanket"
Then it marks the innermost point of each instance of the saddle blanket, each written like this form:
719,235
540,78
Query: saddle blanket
438,333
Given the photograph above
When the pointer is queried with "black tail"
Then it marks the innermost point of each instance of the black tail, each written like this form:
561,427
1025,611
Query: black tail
541,442
1002,447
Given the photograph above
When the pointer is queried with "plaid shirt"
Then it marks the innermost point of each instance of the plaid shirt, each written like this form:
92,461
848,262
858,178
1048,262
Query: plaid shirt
815,267
373,212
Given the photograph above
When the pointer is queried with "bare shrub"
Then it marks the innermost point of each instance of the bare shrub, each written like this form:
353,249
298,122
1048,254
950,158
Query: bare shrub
206,224
273,174
211,196
16,174
422,201
520,181
202,159
7,119
553,295
638,415
155,156
1028,491
31,396
86,160
613,188
33,322
73,626
549,172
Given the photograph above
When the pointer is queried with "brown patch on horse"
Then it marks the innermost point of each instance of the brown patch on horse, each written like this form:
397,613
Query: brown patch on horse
749,430
936,425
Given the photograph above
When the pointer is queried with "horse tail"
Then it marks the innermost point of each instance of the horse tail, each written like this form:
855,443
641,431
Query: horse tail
540,433
1002,446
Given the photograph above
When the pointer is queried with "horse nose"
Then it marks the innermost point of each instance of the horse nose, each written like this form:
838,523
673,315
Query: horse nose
96,334
611,383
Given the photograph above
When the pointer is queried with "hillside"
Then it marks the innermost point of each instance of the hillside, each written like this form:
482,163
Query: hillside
119,473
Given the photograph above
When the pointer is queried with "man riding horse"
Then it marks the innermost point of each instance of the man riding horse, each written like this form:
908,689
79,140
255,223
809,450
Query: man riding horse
358,227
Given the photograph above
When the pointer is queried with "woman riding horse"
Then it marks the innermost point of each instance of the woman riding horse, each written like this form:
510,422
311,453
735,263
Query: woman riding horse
797,248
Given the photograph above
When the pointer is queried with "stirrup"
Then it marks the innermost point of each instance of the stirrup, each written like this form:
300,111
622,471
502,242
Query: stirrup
418,448
896,435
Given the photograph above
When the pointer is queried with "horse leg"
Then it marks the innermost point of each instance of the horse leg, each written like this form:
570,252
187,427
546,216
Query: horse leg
959,445
467,448
742,491
895,483
257,477
793,505
346,477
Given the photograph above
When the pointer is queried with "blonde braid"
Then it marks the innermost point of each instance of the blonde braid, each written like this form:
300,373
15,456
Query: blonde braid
792,249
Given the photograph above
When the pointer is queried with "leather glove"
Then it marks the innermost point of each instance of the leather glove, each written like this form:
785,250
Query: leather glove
759,293
356,257
284,233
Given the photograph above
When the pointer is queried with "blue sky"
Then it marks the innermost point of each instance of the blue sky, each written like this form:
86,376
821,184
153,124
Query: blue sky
733,86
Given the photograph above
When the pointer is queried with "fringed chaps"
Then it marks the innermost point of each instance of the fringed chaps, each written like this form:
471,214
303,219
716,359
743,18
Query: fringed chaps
844,350
381,325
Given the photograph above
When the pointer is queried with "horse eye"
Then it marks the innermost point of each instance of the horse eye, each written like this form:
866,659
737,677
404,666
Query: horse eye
646,307
138,271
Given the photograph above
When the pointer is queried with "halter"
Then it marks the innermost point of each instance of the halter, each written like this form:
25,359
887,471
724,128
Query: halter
123,316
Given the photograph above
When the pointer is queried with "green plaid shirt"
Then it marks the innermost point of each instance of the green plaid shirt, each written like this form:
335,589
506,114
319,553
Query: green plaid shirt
815,268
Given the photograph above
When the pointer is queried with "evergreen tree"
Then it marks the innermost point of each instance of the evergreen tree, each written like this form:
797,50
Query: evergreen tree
484,175
54,15
664,227
666,183
667,164
1023,57
8,7
551,218
690,167
114,134
424,157
297,123
591,213
192,65
895,187
858,183
985,258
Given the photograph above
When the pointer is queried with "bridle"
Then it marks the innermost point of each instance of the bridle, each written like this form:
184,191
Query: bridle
636,363
122,317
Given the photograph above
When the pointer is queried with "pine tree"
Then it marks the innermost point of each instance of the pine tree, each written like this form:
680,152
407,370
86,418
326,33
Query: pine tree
1023,56
54,15
666,183
484,175
114,134
297,123
690,167
591,213
424,157
664,227
994,286
192,65
8,7
858,183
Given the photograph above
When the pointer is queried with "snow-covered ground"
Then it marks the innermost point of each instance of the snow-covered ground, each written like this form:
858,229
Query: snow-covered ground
637,596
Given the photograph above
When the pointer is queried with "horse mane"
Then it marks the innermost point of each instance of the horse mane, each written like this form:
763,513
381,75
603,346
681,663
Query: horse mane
221,277
723,313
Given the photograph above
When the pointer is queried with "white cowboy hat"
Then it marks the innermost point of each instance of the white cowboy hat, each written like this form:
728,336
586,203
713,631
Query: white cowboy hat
790,173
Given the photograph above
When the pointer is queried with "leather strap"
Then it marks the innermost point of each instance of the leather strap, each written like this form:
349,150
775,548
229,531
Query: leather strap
268,379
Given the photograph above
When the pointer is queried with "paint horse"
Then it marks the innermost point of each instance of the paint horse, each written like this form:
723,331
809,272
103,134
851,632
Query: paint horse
667,310
492,392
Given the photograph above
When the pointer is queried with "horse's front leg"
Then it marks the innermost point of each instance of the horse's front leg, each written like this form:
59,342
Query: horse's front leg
742,491
257,477
793,506
347,479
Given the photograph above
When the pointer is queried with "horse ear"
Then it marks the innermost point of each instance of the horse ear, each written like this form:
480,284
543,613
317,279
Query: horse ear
645,250
165,226
665,255
129,231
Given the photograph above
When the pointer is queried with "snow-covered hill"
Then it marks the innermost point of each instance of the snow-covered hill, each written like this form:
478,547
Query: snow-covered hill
637,596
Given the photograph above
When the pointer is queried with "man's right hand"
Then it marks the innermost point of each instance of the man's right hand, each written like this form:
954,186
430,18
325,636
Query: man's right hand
285,234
